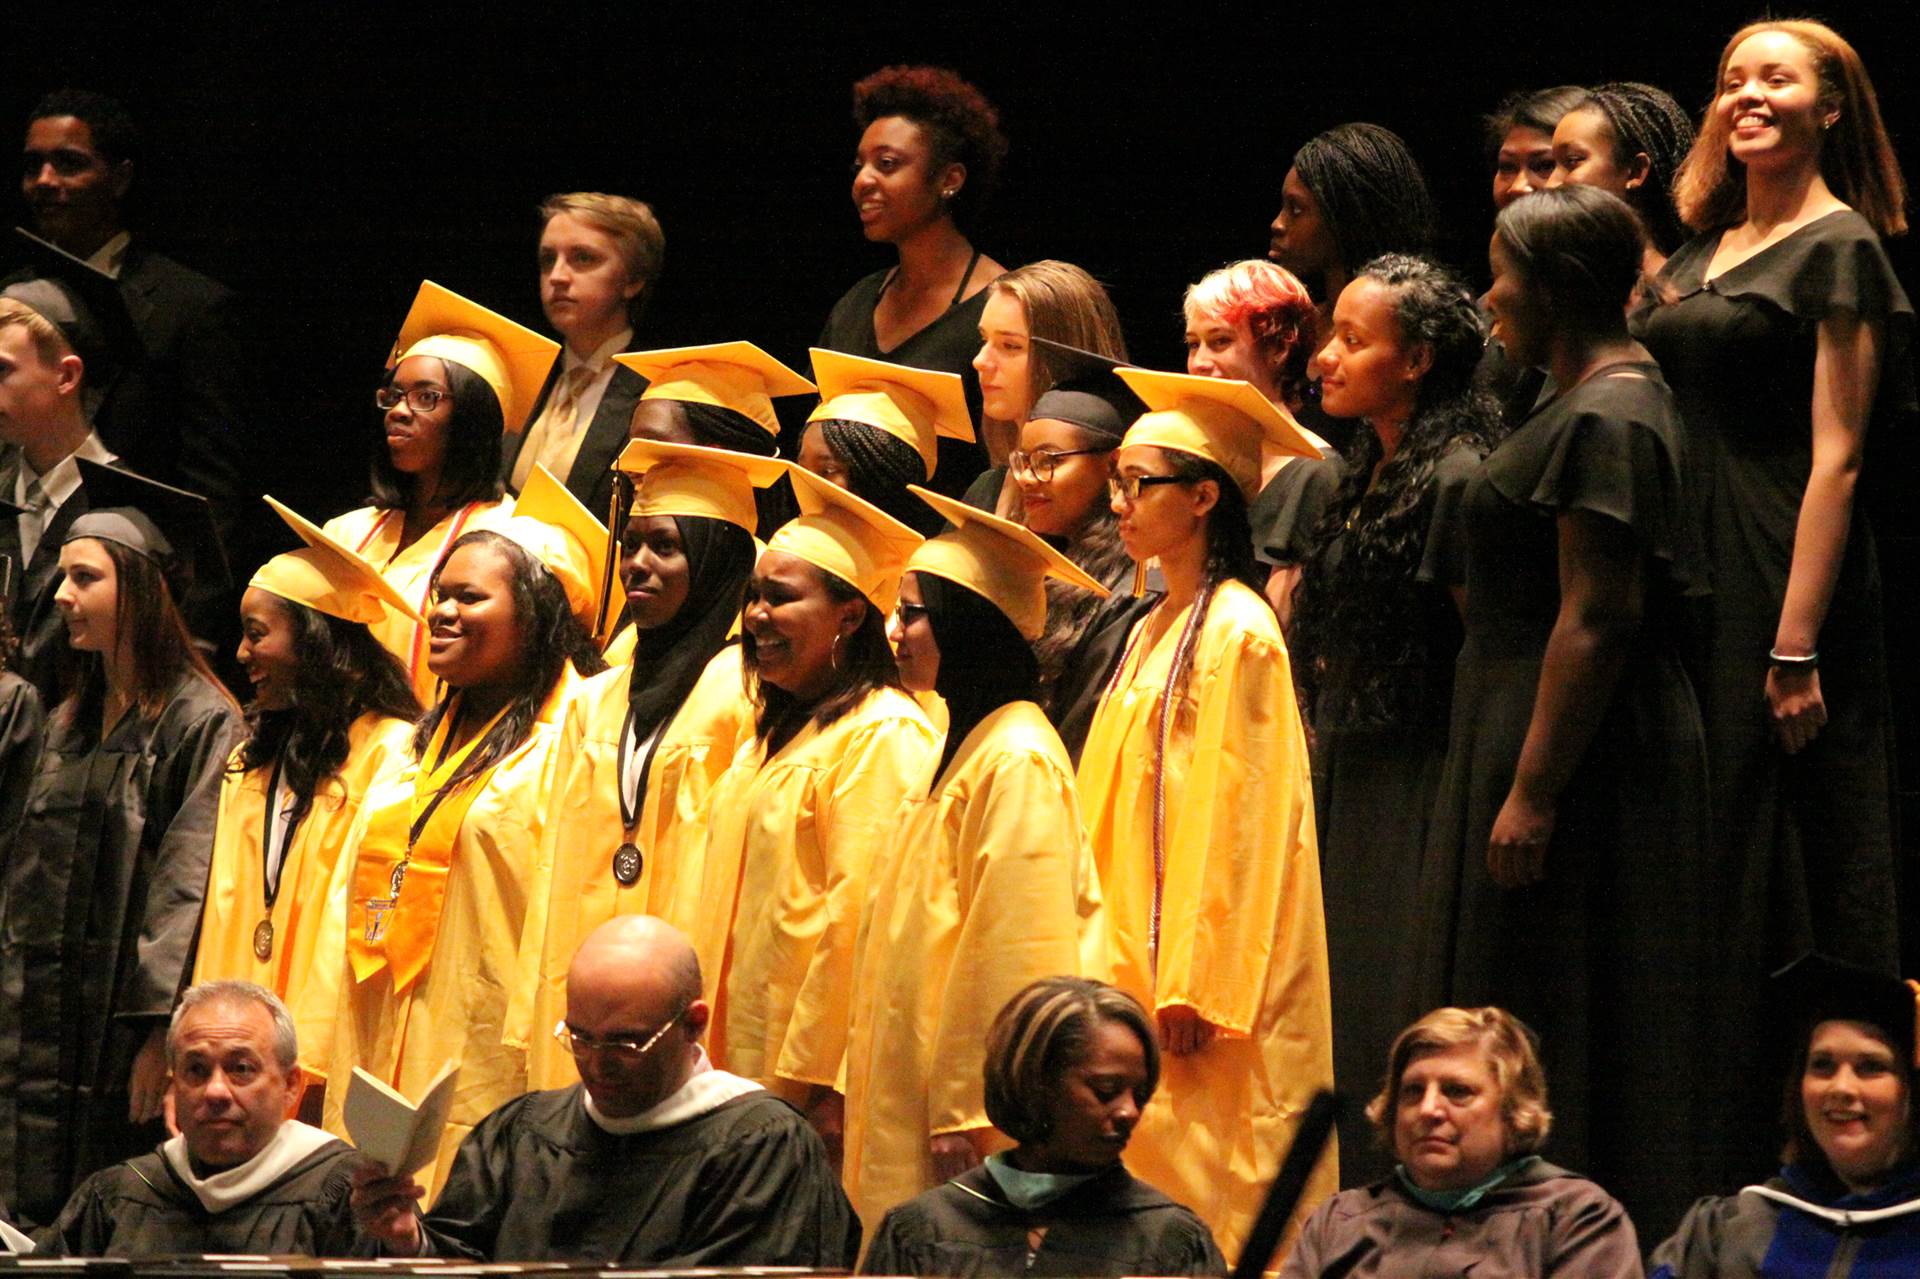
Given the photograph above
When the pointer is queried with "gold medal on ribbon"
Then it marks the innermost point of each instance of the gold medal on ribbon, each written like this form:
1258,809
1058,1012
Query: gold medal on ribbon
263,940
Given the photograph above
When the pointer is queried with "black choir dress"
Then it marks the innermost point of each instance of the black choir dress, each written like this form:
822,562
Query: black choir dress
1806,855
947,345
1598,957
1379,716
99,907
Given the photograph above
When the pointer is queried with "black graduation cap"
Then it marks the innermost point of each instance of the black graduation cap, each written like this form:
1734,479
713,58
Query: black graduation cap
170,526
1086,392
1817,988
83,302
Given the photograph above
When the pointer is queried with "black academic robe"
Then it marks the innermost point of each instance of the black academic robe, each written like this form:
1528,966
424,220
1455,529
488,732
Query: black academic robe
746,1184
590,478
1114,1224
23,728
141,1208
99,906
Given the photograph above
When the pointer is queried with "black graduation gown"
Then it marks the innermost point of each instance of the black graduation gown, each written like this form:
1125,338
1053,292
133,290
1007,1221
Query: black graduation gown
746,1184
141,1208
99,908
22,727
1112,1225
1599,957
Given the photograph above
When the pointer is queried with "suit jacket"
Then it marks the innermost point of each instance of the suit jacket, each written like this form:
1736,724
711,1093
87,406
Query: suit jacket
591,477
36,622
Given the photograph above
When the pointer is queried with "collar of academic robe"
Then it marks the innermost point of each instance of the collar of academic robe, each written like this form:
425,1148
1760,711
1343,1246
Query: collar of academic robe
1114,1191
292,1149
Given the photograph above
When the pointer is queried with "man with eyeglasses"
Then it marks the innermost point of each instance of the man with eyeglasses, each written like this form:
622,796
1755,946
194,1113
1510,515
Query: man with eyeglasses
655,1158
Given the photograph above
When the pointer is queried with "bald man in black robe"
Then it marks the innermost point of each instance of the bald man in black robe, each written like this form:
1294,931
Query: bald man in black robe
655,1159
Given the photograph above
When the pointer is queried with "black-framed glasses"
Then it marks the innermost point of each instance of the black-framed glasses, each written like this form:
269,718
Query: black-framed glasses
907,614
1039,463
626,1051
1126,488
421,399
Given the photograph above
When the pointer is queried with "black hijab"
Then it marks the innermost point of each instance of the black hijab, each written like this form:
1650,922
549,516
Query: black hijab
984,662
667,660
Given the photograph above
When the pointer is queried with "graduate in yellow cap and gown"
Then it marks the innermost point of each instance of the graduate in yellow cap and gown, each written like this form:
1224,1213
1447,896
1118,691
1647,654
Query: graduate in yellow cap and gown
795,823
878,429
332,717
719,396
437,892
985,883
644,743
458,376
1199,806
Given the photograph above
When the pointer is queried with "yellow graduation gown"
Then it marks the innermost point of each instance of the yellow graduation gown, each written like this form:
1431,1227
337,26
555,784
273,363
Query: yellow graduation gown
789,842
375,532
576,888
310,909
1242,938
456,1009
986,885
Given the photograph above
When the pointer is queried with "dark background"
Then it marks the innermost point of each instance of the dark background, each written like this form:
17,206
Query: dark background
324,161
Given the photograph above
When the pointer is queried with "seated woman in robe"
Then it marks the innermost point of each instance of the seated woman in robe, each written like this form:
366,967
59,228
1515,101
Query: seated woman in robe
332,718
459,376
1070,1063
1464,1110
1847,1203
437,892
878,429
985,884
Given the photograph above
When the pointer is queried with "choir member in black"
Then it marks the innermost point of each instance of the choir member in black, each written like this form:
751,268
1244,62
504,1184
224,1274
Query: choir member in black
927,163
1564,867
1066,450
99,902
1784,333
1628,138
239,1176
1353,193
1375,635
654,1159
1070,1064
1519,144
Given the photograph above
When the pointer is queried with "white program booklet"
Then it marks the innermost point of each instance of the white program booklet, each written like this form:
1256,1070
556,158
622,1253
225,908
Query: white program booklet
399,1135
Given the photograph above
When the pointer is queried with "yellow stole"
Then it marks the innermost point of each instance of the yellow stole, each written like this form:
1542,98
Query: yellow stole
418,857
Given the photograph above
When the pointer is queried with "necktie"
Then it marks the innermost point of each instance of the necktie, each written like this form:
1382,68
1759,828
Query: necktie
33,522
557,446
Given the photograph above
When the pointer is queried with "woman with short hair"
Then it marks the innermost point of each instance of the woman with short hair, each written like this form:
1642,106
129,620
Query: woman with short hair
1070,1064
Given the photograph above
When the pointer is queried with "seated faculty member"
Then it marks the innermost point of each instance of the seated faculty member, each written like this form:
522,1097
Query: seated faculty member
655,1158
239,1176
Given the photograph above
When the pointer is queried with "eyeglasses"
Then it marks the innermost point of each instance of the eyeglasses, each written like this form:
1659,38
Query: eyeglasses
1040,462
1126,488
421,399
627,1052
907,614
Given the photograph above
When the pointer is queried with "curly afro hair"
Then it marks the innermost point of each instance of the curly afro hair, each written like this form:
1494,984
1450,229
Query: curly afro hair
962,126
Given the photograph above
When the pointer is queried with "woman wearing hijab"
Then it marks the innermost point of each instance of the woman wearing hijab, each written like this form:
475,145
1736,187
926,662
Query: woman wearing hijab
645,743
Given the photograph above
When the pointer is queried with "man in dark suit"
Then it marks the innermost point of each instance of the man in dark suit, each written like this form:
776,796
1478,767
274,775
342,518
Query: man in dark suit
599,256
45,429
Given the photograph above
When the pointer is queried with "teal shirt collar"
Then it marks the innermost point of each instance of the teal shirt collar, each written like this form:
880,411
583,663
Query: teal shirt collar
1029,1190
1462,1200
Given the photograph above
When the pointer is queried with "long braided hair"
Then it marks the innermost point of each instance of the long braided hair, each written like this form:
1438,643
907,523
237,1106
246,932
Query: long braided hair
1370,190
1359,631
879,468
1647,121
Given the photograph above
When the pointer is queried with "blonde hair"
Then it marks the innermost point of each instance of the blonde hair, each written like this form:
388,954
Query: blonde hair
48,341
1063,304
642,244
1511,1054
1857,158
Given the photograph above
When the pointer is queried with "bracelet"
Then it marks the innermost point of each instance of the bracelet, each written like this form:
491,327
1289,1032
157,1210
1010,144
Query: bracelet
1803,662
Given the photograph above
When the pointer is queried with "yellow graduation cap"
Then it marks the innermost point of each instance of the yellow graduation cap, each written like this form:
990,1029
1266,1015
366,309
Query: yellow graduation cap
511,358
329,577
692,479
916,406
997,558
553,527
729,375
846,536
1220,419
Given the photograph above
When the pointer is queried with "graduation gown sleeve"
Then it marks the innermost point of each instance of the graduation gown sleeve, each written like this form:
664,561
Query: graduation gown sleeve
22,724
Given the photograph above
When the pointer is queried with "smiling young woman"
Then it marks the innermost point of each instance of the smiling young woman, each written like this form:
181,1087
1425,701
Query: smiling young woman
461,376
927,163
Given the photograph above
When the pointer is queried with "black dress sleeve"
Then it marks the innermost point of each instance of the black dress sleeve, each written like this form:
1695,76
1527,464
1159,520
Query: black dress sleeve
1443,559
1287,512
